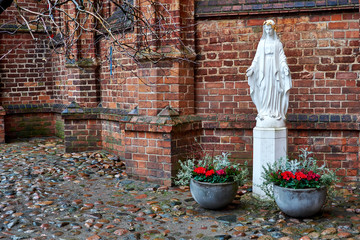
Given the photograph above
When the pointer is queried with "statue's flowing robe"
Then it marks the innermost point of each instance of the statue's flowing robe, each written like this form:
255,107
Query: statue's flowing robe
269,85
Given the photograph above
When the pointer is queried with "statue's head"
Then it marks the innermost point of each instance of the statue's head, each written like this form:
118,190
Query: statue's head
269,22
269,29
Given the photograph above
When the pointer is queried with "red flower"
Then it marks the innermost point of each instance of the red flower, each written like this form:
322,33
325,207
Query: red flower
221,172
312,176
210,173
200,170
300,175
287,175
317,177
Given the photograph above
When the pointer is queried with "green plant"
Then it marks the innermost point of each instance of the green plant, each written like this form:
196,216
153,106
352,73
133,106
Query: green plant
217,169
297,174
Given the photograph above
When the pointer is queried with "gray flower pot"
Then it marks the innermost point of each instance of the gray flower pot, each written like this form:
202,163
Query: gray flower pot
213,195
300,202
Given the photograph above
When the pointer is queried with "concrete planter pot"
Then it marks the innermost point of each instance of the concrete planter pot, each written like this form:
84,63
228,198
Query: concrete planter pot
300,202
213,195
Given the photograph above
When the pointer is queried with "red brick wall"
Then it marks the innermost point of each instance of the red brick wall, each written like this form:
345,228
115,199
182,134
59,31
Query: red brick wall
25,65
60,80
236,141
321,52
166,84
153,149
82,133
29,125
186,141
217,8
148,153
82,85
323,56
31,120
119,87
32,72
339,149
25,70
113,137
11,15
26,75
321,41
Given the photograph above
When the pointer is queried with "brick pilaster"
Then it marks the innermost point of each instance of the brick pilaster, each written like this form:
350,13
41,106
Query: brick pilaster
82,130
82,67
157,138
168,83
83,84
154,145
166,79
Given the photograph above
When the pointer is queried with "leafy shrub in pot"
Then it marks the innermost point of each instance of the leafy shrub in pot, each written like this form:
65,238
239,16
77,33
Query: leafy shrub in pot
213,181
299,187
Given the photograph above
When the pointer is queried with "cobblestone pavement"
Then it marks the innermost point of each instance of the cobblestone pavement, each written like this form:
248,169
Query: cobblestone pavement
48,194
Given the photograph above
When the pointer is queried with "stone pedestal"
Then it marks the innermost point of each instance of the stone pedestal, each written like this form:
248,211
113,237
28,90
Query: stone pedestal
269,144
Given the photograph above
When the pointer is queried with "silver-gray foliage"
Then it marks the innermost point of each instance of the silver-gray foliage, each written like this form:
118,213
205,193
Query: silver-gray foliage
219,162
305,161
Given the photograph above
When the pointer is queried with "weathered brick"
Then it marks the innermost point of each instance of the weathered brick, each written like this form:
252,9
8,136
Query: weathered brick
338,25
347,75
344,59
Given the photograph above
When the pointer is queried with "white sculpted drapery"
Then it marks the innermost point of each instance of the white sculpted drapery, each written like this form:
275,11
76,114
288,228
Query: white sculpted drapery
269,79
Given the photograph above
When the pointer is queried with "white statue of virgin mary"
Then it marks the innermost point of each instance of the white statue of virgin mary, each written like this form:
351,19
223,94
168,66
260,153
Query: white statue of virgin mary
269,79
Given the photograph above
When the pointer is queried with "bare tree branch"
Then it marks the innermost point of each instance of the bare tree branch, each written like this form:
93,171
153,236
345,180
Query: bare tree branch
67,22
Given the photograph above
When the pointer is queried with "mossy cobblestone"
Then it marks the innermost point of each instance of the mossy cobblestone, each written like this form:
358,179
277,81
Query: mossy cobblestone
46,193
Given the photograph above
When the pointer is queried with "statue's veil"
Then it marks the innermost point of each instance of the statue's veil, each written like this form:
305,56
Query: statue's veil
272,23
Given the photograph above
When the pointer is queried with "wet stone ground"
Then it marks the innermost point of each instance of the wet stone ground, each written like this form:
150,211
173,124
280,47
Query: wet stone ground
46,193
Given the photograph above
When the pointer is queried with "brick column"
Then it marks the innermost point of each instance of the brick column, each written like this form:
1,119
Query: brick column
82,67
82,130
83,84
161,134
167,83
166,80
154,146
